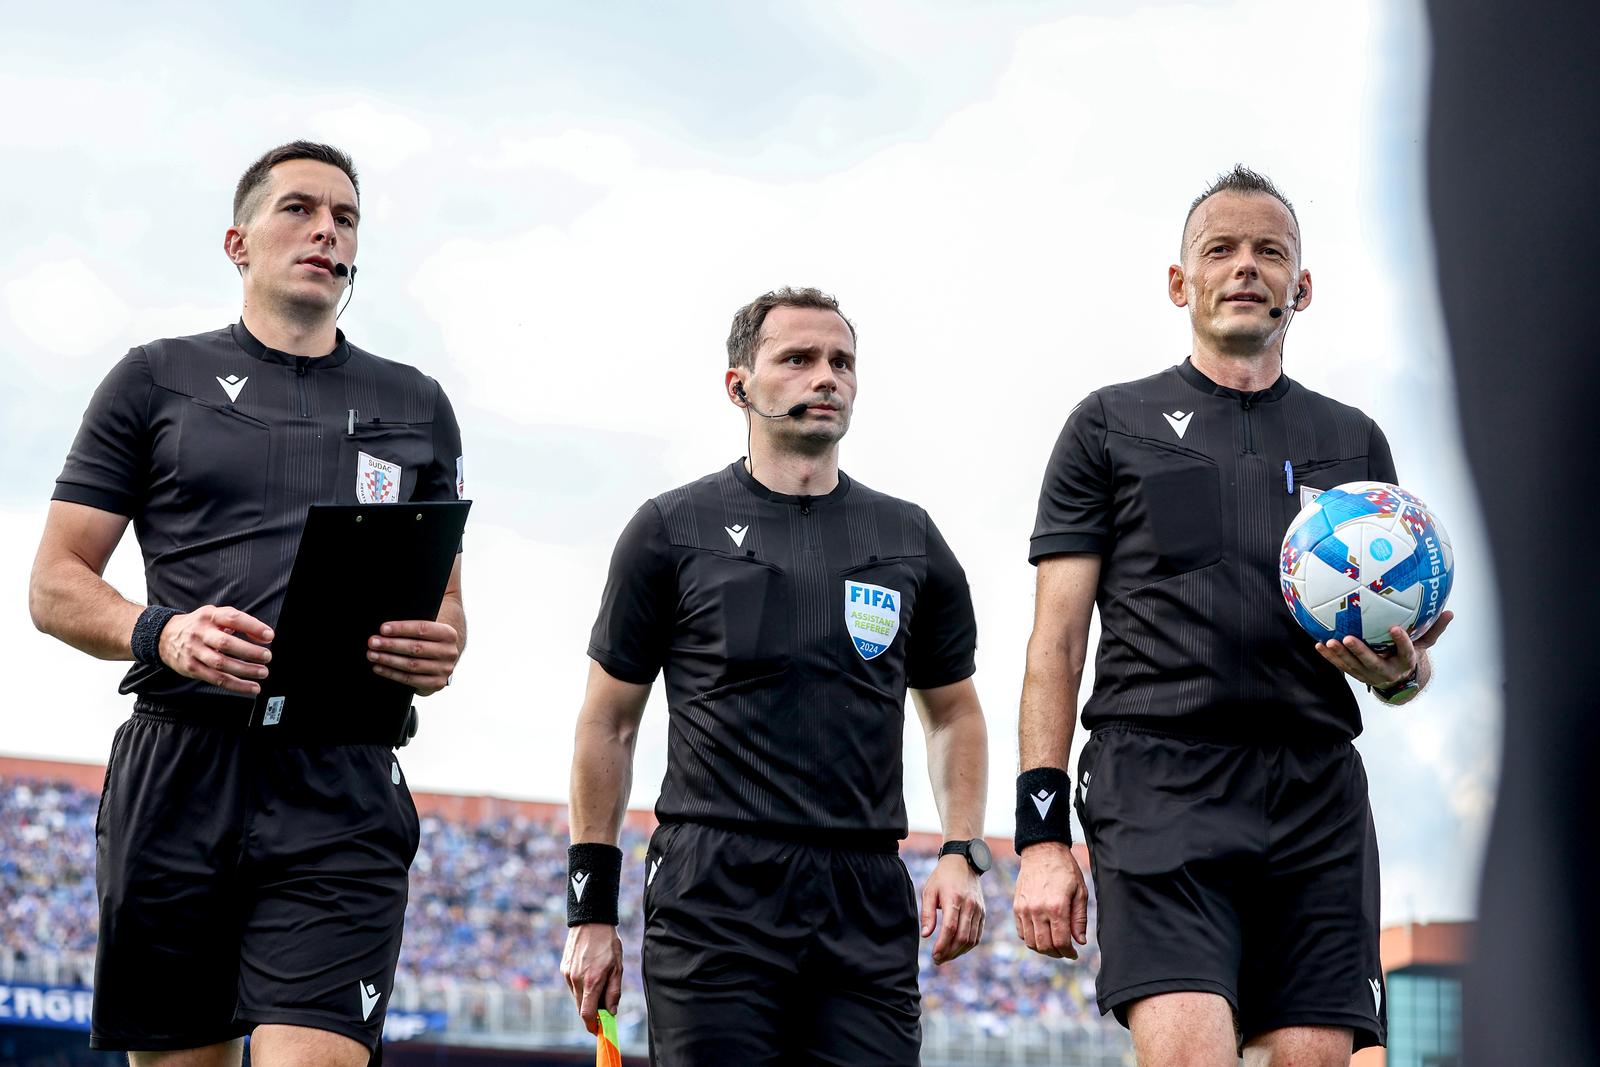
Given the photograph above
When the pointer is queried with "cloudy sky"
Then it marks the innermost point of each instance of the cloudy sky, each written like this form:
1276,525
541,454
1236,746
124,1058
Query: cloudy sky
564,203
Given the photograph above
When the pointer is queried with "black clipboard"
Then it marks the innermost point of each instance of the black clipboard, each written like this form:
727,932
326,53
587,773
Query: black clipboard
358,566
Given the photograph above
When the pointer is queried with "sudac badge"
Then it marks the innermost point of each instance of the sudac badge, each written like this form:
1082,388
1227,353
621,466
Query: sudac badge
377,480
871,617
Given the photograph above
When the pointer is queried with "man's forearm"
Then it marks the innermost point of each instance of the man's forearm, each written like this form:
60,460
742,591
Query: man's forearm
958,770
454,614
1046,717
602,777
73,604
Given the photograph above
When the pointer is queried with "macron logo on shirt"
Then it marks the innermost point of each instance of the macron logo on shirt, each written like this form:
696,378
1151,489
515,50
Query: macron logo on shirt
1179,422
233,385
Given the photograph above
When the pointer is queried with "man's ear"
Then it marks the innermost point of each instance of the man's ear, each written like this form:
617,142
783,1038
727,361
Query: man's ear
1175,291
233,246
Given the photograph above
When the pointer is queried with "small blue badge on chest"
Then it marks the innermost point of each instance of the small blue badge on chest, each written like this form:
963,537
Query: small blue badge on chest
871,617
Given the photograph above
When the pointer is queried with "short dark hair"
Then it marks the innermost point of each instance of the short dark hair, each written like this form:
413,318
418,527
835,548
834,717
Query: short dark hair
1241,179
247,195
746,331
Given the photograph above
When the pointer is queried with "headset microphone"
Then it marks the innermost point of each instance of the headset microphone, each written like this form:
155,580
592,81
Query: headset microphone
340,270
1299,295
793,413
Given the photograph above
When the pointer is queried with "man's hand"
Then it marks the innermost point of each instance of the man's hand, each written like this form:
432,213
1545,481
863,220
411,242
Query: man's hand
592,966
1052,905
416,653
1383,669
953,889
213,645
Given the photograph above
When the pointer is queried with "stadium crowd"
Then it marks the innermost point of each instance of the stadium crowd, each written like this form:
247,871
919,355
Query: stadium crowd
488,905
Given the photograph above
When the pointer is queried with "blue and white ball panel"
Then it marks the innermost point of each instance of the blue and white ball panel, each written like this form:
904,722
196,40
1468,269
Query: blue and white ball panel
1362,557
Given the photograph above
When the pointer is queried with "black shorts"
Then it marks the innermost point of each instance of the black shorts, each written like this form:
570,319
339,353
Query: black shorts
760,951
1249,871
244,883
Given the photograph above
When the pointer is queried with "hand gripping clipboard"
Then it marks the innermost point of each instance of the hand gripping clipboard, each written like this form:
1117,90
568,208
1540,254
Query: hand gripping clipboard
358,566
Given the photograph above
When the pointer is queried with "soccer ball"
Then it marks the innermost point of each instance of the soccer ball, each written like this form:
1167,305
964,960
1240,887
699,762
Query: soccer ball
1362,557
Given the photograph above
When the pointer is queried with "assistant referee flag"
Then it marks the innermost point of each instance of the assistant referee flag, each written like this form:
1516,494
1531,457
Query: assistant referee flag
606,1051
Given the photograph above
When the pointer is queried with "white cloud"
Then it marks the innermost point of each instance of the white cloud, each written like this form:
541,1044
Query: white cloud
387,137
63,307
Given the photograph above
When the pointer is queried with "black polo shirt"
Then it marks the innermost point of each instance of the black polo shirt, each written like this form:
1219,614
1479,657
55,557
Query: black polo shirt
789,629
1179,485
215,445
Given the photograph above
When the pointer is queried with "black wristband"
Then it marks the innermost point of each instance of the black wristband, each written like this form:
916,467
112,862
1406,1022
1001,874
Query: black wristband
1394,689
146,639
1043,807
594,881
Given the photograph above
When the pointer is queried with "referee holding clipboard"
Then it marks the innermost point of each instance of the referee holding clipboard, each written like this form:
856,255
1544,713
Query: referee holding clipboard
248,883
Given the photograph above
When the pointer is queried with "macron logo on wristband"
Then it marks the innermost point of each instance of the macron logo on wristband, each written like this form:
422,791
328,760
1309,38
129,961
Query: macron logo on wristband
1042,800
580,880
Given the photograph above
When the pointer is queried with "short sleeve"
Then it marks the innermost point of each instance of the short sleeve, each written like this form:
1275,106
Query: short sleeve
108,465
1380,461
946,630
1075,500
633,632
444,476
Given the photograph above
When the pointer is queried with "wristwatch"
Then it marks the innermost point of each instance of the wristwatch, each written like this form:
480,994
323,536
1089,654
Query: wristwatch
1405,685
976,851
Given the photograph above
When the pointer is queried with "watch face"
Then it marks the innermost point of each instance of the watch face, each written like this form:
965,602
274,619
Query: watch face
978,854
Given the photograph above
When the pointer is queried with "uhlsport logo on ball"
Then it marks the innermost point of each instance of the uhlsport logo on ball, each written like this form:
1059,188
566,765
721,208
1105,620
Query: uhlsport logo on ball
1362,557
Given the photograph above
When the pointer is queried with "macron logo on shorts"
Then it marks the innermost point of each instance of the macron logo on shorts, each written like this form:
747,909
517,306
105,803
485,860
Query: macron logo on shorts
1042,801
1377,994
580,879
369,999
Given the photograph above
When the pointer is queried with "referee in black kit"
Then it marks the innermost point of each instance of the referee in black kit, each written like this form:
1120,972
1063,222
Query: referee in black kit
789,607
247,886
1235,859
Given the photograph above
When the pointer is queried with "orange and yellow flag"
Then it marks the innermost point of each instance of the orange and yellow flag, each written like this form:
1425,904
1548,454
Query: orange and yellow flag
606,1051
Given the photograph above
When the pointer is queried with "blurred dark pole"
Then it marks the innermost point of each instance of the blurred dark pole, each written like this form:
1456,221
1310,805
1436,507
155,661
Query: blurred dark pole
1514,185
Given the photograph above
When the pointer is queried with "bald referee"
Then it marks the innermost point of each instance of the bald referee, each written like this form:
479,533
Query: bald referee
1235,857
789,607
247,886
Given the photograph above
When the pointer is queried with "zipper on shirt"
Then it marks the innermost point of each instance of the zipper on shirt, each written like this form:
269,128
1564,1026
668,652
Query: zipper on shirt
1249,434
300,385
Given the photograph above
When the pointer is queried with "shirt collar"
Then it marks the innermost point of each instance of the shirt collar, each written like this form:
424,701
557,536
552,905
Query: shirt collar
247,341
750,483
1192,374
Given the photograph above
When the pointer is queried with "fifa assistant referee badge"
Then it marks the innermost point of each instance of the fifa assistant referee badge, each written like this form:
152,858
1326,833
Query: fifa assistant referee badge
594,881
1042,807
976,851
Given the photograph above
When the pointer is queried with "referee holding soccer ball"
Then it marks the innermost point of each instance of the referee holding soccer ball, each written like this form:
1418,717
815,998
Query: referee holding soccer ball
1233,848
789,608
